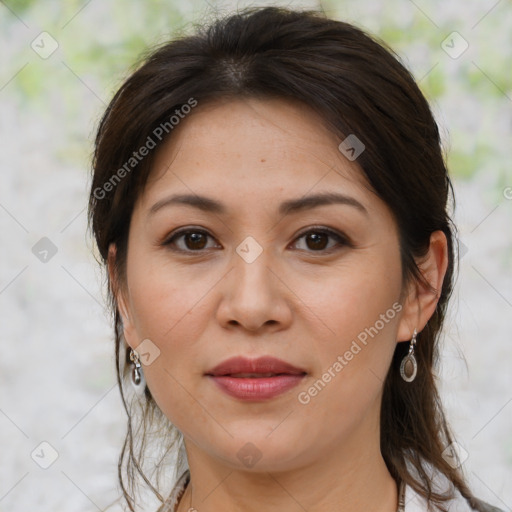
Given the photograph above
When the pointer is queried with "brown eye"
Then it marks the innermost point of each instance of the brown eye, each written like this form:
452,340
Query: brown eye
317,240
191,240
195,240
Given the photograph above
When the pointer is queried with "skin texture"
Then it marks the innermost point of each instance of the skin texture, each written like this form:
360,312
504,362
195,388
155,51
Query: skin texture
296,302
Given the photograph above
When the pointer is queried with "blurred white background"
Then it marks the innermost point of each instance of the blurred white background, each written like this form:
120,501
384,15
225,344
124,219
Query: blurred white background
57,381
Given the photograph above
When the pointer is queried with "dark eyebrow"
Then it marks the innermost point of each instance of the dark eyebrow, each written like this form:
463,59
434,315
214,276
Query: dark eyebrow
312,201
201,202
287,207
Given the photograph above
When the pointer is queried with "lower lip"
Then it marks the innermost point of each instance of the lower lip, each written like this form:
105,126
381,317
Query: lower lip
259,388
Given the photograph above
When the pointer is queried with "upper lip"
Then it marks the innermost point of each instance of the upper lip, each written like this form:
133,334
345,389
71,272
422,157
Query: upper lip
265,364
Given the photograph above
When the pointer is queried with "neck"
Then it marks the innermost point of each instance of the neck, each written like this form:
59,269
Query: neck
348,478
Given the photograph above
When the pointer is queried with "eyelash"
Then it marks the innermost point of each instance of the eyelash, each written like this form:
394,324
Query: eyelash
341,239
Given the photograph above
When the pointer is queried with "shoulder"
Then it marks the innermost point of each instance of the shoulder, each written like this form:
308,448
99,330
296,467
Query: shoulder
417,503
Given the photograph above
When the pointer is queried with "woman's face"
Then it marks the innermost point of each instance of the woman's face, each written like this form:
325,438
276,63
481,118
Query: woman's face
266,270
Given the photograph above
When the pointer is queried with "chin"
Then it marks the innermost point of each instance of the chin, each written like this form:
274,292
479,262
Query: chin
253,450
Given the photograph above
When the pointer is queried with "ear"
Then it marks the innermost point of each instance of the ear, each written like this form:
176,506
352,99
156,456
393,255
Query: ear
421,301
121,299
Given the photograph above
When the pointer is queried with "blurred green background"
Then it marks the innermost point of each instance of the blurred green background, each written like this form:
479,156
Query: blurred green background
99,42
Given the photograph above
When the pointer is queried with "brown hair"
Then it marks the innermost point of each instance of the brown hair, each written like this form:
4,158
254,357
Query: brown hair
358,86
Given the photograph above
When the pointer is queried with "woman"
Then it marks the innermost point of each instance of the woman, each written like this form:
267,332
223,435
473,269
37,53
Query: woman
270,199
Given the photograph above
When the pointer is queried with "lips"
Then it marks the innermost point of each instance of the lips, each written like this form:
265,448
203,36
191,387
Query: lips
255,379
241,367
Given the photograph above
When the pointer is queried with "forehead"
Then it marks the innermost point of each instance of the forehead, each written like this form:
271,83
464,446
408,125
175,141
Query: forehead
233,147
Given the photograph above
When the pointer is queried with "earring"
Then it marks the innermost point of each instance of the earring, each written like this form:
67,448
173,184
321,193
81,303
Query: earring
136,369
409,365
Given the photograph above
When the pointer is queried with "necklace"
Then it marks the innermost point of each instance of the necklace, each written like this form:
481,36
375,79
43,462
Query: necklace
186,476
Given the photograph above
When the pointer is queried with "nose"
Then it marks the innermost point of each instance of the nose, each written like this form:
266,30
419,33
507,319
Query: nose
254,297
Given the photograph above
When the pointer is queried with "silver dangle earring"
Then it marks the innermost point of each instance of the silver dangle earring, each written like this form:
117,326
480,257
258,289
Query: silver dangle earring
136,369
409,365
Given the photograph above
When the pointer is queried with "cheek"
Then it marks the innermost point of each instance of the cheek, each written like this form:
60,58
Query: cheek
359,305
169,314
166,301
168,310
352,296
